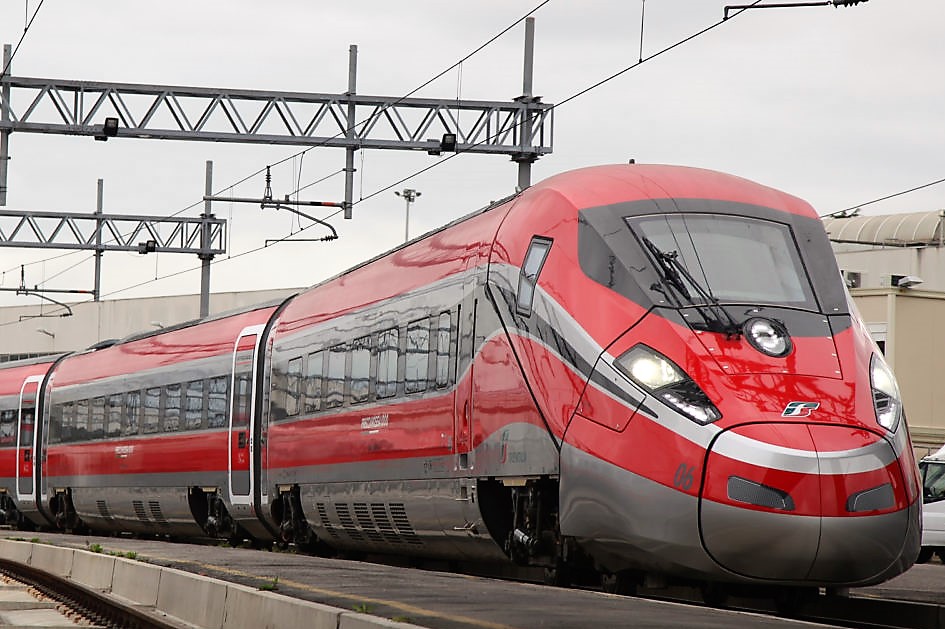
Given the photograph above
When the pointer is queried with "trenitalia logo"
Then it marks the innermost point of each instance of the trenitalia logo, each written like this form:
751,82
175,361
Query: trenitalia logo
799,409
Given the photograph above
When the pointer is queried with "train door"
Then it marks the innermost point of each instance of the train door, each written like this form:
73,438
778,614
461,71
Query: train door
240,442
25,439
466,344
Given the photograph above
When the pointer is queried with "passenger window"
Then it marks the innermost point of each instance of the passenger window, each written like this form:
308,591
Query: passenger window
152,410
26,428
129,420
81,421
7,427
97,420
217,402
531,268
360,370
54,426
335,394
443,347
242,401
417,364
193,406
388,348
313,381
172,406
293,388
67,432
113,415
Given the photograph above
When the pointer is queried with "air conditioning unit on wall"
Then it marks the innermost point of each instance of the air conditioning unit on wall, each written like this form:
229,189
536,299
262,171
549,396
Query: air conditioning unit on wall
853,279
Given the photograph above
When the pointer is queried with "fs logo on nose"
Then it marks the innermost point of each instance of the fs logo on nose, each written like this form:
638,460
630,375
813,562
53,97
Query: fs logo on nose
799,409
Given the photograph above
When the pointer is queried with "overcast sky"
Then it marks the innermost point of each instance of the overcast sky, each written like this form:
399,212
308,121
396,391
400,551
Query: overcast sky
836,105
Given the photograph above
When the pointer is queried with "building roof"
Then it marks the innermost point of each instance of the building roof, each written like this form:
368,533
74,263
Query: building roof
912,229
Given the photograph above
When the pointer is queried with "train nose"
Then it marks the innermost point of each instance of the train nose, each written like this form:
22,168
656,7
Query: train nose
802,502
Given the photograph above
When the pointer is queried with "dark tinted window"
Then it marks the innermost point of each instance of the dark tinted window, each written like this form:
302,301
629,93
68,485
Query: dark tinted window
313,381
528,277
417,362
7,427
360,369
81,431
443,346
132,414
293,389
97,418
152,410
113,415
217,401
193,405
335,389
172,406
67,431
388,344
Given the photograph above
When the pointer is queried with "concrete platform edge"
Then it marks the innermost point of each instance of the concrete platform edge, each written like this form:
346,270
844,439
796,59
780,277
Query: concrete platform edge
193,599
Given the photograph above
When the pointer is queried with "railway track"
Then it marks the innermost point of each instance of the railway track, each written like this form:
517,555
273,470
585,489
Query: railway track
84,606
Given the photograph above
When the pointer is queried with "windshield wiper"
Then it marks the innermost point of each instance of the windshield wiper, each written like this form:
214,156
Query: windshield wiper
673,272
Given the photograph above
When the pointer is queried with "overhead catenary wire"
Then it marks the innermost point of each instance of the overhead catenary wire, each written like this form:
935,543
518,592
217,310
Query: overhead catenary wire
340,133
418,172
888,196
26,29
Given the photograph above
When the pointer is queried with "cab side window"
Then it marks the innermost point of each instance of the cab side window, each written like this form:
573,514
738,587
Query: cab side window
528,277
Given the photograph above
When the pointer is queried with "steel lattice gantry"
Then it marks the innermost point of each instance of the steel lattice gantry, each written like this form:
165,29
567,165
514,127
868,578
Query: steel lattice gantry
521,128
204,236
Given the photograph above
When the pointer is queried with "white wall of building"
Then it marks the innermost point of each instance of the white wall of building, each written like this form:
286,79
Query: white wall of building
42,328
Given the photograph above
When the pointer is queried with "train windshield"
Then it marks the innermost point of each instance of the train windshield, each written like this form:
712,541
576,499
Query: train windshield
726,258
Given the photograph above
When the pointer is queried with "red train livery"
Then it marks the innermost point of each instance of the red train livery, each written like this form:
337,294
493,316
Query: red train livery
626,369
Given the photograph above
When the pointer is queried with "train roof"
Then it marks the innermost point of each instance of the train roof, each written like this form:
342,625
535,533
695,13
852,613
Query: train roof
597,186
136,336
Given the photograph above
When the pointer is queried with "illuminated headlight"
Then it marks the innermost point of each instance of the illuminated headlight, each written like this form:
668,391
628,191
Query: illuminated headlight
768,337
665,380
887,402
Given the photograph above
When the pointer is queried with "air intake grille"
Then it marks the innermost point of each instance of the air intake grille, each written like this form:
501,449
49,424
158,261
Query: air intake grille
744,490
103,510
875,499
375,522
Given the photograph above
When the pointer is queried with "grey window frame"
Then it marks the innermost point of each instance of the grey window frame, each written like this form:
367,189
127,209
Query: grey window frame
529,273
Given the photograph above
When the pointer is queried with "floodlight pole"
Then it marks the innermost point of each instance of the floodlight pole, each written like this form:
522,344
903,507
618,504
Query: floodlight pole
5,117
525,160
206,258
349,131
99,203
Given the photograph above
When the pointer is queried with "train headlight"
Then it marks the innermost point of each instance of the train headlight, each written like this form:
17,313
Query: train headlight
666,381
768,337
887,402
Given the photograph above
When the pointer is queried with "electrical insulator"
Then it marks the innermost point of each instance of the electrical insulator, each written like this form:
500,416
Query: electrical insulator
846,3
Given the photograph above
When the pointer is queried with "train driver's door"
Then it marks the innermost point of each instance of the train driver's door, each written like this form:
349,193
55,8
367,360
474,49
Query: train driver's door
240,441
25,438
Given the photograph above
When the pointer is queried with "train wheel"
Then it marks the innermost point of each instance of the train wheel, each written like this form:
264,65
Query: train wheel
925,554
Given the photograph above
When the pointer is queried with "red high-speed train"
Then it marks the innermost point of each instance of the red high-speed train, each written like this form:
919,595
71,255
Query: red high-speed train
636,369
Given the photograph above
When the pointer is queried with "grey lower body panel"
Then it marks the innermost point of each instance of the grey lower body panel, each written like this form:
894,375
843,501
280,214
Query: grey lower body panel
153,503
626,521
428,518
